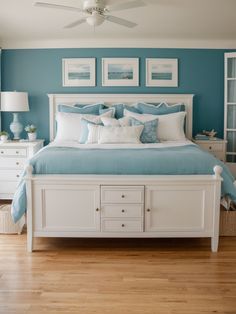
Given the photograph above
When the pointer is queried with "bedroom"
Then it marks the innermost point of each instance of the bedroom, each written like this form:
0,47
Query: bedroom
118,251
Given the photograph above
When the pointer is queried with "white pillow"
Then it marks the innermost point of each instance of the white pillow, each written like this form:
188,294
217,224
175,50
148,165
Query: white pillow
125,121
69,124
170,126
120,134
114,134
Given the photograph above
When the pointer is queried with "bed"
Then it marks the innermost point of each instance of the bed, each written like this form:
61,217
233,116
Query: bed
79,199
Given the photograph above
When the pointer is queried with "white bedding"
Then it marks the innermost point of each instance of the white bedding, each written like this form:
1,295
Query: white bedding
163,144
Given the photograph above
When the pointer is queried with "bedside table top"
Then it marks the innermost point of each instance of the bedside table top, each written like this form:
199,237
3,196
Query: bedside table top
218,140
21,143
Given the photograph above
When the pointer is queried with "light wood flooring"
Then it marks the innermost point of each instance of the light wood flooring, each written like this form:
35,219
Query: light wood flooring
148,276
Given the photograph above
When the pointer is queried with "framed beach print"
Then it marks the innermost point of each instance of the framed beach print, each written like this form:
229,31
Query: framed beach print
79,72
120,72
162,72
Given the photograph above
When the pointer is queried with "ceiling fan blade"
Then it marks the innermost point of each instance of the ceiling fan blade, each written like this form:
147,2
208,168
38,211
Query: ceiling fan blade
56,6
126,5
120,21
78,22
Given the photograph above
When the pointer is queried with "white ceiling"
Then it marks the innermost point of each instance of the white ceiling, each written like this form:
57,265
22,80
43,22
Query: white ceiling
177,23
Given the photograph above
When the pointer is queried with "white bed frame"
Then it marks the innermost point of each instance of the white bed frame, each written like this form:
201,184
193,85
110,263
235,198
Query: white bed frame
116,206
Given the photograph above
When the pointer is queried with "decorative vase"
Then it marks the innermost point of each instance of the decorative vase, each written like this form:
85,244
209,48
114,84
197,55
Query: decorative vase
32,136
3,138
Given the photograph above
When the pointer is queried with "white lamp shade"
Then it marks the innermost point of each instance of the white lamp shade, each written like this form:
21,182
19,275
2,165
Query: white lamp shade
14,101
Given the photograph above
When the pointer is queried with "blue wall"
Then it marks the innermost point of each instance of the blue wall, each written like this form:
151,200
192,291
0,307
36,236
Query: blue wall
39,71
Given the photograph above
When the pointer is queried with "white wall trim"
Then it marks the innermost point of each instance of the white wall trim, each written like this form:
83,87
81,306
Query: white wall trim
117,43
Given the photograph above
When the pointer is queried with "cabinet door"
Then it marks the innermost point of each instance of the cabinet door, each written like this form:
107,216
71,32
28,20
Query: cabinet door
181,208
67,208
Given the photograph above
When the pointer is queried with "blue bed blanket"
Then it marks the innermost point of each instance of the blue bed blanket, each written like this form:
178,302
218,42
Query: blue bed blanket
182,160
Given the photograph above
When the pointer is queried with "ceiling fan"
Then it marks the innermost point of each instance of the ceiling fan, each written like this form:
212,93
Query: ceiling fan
95,12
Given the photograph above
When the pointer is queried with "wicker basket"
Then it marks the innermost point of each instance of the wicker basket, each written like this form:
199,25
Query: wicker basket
7,226
228,222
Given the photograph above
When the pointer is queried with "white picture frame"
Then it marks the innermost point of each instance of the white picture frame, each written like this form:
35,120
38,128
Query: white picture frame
79,72
120,72
161,72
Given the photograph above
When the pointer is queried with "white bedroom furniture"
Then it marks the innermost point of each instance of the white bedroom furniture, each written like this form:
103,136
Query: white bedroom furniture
215,147
230,109
143,206
13,156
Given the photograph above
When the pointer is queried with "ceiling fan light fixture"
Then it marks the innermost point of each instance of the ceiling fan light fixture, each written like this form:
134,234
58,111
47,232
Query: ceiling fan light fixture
95,19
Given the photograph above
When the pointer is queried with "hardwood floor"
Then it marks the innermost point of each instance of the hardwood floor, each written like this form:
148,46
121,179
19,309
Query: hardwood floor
164,276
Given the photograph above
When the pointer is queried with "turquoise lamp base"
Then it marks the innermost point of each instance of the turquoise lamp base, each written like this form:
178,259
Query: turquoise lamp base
16,127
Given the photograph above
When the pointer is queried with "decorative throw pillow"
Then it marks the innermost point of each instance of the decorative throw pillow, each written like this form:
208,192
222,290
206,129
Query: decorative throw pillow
162,108
125,121
85,130
89,109
120,134
170,126
149,133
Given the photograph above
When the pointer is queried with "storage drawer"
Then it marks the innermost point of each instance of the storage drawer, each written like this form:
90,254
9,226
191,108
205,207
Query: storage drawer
10,175
122,211
13,151
122,194
12,163
122,225
215,147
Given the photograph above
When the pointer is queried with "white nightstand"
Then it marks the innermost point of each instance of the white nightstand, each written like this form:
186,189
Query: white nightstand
13,156
216,147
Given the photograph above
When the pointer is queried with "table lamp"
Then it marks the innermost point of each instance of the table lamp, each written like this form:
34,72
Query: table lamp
15,102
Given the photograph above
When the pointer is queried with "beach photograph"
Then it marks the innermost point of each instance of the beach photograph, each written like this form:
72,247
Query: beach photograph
162,72
79,72
120,72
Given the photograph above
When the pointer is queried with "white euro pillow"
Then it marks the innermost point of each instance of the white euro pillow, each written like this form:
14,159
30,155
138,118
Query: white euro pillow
170,126
69,124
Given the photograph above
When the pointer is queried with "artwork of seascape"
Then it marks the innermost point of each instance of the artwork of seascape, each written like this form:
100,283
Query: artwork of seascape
120,72
162,72
79,72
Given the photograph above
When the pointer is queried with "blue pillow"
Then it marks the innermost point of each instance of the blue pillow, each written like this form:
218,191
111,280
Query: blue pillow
119,113
162,108
101,111
149,133
84,130
90,109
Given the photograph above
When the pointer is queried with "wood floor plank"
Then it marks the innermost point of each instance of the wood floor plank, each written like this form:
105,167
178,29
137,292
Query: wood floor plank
117,276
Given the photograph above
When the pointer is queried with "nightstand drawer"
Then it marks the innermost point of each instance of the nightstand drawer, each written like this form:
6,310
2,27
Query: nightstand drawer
113,225
12,163
10,175
13,152
213,147
122,194
122,211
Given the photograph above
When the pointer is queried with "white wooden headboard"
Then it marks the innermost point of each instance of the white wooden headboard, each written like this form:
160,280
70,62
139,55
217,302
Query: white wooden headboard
128,99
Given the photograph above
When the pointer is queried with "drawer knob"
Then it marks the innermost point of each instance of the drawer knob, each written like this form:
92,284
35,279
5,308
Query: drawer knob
2,152
123,225
17,175
122,196
123,211
97,209
17,152
148,210
17,163
210,147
